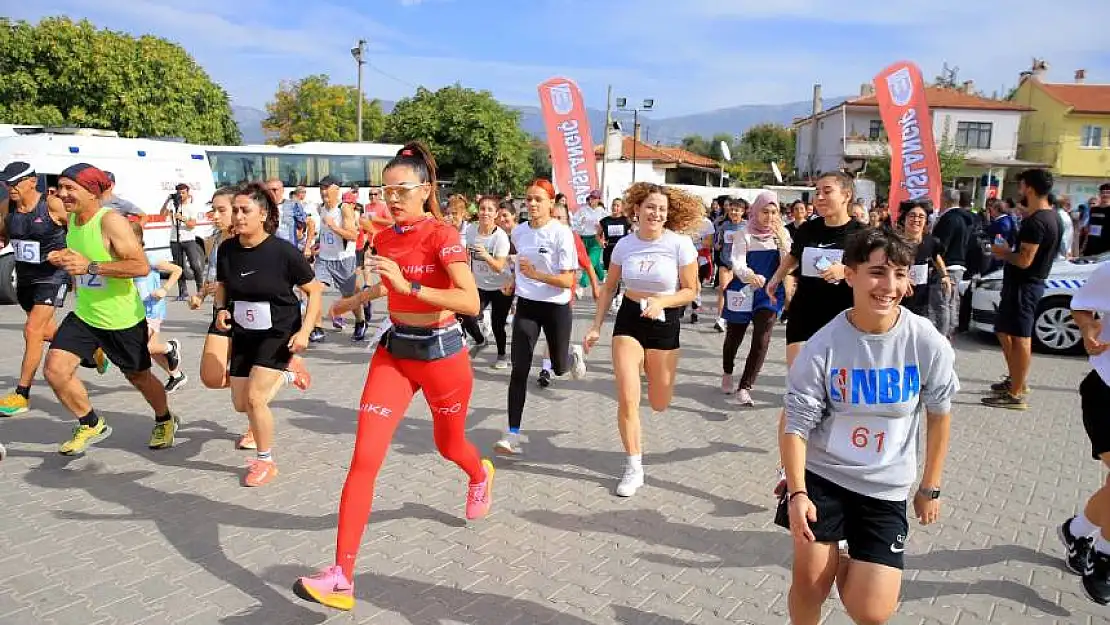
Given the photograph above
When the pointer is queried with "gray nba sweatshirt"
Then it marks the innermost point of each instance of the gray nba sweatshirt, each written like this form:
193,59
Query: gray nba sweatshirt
857,399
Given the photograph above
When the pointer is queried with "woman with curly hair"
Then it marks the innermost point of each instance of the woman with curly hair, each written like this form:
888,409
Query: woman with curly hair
659,268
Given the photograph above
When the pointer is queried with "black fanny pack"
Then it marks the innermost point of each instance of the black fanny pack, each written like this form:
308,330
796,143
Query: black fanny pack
416,343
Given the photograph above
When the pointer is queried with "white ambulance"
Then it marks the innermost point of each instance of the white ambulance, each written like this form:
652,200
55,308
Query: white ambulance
146,171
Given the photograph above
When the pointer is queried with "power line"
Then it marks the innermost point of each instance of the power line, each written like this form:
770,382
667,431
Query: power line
391,76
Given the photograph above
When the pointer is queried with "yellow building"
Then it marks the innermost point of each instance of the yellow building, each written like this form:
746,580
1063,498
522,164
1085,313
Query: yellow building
1069,129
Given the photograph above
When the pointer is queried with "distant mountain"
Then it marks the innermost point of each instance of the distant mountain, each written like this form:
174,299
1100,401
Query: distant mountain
250,123
669,130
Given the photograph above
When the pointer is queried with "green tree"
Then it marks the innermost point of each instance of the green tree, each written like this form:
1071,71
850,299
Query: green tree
60,72
540,159
311,109
696,144
766,143
477,142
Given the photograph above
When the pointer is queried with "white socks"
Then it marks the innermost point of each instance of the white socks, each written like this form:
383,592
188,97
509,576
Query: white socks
1082,526
547,364
636,461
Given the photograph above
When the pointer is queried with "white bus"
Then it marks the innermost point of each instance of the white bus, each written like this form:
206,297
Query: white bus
148,170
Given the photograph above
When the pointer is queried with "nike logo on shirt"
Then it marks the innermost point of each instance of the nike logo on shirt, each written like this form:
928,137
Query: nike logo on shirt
244,275
825,244
894,549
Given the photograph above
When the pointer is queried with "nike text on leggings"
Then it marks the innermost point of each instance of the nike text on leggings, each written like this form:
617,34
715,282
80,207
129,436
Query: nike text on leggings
390,385
531,317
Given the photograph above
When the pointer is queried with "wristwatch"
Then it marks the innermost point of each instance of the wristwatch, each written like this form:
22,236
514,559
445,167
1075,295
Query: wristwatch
415,289
94,269
930,493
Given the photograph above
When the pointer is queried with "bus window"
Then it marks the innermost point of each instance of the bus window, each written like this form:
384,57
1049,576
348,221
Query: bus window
232,168
293,170
375,165
350,170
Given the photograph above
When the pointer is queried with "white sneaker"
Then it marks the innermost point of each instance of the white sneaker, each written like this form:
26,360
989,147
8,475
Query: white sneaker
501,363
577,362
720,325
509,445
726,384
744,397
631,482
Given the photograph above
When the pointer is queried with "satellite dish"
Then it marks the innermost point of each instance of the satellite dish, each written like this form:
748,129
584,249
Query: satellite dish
778,172
726,152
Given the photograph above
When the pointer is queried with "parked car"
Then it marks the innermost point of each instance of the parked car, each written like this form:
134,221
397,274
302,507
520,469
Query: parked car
1054,331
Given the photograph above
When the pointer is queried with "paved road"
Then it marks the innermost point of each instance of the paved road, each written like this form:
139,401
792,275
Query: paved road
127,535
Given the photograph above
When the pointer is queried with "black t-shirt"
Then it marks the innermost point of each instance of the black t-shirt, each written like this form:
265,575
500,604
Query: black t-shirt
815,240
924,273
1098,231
1043,229
954,229
259,282
610,226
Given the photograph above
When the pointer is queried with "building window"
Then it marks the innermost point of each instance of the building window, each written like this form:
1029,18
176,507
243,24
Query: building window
1091,137
875,130
973,135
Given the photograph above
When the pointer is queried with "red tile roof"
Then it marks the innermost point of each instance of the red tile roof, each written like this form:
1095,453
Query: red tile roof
1082,98
945,98
661,153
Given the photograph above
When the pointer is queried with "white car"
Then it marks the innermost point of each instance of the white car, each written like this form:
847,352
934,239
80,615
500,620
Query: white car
1054,331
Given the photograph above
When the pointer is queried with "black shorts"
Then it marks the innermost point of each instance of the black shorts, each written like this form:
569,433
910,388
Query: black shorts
1094,397
805,321
1017,308
127,348
874,528
249,350
649,333
41,294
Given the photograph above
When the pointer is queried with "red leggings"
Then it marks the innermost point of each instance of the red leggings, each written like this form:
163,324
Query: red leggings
390,385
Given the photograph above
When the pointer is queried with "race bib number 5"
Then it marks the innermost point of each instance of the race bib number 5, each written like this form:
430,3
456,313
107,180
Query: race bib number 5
867,440
253,315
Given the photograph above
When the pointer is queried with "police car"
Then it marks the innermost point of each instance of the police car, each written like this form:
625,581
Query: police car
1054,331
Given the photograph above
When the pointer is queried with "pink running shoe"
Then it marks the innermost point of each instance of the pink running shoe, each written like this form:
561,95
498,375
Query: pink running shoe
302,379
329,586
479,497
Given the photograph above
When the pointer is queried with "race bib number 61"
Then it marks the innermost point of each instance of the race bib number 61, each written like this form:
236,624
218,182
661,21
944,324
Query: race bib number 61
867,440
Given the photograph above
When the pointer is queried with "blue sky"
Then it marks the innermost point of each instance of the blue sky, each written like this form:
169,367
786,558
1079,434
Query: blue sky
690,55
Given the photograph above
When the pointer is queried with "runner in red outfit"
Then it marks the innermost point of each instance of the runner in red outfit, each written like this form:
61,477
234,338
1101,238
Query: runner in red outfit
425,274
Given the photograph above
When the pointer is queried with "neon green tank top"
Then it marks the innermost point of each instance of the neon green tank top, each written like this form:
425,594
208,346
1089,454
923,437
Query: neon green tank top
102,302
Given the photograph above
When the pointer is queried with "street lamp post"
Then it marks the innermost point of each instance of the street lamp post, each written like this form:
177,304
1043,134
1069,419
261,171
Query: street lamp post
646,105
359,52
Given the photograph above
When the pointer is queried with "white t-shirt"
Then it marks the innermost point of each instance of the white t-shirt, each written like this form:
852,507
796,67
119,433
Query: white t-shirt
551,250
333,246
653,266
190,210
1095,297
585,221
497,244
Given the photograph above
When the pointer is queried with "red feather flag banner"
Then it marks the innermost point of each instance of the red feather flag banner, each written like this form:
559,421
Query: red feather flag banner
914,162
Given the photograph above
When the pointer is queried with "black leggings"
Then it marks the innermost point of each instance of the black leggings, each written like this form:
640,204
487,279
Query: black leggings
189,251
764,322
555,320
500,305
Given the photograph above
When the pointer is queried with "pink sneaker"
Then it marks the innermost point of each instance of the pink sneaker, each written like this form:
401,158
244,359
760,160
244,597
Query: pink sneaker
479,497
329,586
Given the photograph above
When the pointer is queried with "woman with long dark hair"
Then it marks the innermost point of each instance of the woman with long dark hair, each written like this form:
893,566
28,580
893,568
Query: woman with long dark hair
928,275
256,273
425,274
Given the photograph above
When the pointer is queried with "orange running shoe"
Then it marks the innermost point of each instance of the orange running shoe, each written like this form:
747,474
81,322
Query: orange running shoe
260,472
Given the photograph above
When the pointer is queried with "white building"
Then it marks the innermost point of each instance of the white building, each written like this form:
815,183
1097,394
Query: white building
846,136
635,161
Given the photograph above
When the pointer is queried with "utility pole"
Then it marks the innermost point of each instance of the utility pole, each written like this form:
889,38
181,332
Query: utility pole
605,139
646,105
359,52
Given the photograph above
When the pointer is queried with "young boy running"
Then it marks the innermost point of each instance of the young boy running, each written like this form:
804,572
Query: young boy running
854,400
153,294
